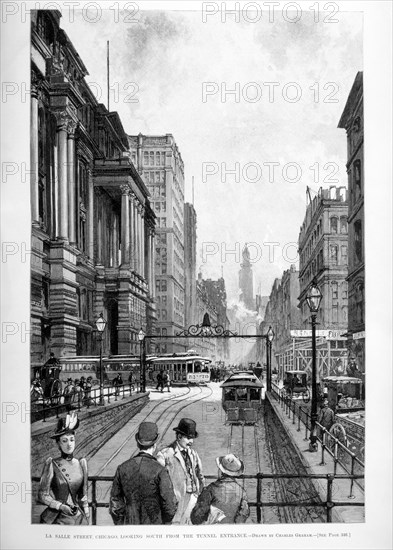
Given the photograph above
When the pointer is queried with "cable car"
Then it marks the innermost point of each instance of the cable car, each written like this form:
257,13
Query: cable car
242,397
187,368
344,393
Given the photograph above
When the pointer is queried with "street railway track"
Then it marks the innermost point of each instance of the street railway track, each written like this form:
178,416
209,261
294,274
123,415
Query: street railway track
163,418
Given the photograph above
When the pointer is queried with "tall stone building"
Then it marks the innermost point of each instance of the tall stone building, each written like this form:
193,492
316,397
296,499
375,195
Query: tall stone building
159,160
323,253
190,239
283,315
92,224
246,284
352,121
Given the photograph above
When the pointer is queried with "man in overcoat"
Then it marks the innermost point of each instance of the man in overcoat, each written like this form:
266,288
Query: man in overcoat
142,491
185,469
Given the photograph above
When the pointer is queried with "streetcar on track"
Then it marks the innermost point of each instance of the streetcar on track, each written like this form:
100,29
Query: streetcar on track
184,369
242,397
344,393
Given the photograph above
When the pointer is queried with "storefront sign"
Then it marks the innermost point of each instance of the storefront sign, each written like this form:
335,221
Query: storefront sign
359,335
328,334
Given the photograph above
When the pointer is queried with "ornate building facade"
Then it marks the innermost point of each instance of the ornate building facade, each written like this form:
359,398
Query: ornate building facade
323,253
159,160
352,121
92,224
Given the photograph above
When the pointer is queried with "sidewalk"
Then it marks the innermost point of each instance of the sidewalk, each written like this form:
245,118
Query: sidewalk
312,462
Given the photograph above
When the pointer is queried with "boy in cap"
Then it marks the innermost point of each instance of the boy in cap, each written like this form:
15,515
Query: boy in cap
224,500
142,491
185,469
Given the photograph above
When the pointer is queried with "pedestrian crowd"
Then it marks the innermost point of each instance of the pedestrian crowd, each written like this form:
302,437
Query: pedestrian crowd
165,486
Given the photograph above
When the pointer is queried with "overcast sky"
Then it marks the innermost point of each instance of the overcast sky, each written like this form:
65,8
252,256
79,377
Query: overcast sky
164,60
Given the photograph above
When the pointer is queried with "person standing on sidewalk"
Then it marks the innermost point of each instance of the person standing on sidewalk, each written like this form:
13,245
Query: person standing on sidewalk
142,491
160,381
185,469
325,417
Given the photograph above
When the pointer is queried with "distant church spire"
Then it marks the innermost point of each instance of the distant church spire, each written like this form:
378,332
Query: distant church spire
246,280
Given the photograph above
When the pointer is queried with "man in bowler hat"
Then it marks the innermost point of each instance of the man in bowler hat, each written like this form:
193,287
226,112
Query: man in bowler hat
185,469
142,491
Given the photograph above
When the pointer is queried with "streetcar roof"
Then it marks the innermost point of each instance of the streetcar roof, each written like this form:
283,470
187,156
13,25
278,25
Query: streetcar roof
177,358
242,379
244,383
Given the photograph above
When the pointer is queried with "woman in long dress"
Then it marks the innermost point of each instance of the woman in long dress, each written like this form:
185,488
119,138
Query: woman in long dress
63,484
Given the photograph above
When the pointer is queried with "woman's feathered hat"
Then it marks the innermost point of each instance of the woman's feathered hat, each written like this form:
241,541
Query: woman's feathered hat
66,425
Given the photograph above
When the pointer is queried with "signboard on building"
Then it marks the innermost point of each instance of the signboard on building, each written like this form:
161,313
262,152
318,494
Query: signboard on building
328,334
359,335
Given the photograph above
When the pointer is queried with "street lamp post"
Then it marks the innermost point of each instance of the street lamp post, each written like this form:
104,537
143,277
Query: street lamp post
269,340
142,369
313,299
101,324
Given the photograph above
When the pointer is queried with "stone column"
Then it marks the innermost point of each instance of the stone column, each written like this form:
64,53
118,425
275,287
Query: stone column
132,231
152,260
35,217
143,259
90,220
114,241
62,122
71,180
137,238
140,268
125,225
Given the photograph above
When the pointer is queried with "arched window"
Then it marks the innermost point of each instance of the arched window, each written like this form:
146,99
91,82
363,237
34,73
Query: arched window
151,158
145,158
343,225
333,225
158,158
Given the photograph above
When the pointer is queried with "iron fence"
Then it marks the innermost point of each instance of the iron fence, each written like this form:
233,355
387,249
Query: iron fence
329,504
45,407
329,443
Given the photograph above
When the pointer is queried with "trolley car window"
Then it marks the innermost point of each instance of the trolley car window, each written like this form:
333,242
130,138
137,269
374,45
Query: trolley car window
241,394
255,394
197,367
189,367
230,394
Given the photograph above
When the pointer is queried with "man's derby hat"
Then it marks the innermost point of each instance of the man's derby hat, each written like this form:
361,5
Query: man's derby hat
147,434
187,427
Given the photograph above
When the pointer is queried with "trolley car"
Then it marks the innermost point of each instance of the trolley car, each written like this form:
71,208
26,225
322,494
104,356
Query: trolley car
184,369
344,393
242,397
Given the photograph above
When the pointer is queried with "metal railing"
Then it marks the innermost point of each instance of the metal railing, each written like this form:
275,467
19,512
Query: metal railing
45,407
329,444
329,504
